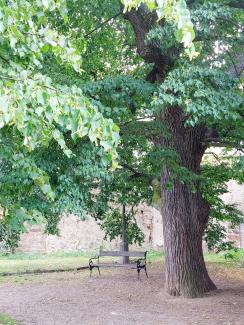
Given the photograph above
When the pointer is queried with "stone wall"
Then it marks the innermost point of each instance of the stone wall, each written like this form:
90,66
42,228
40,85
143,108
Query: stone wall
33,241
235,196
87,235
75,234
242,235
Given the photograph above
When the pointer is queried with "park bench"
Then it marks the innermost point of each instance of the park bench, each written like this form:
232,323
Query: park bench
138,264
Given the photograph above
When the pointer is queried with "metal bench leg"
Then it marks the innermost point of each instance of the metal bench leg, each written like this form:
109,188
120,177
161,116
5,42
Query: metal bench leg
138,272
138,267
99,270
90,271
146,271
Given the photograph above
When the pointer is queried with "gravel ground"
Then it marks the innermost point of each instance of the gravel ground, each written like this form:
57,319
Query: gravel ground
117,297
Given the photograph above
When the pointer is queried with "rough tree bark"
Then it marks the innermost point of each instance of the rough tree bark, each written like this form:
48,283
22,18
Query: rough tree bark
185,214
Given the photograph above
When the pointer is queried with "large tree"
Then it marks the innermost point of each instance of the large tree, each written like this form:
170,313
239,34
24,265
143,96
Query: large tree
194,105
197,104
200,103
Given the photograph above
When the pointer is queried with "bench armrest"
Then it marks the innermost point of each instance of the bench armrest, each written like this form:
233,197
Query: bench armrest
93,258
139,260
143,258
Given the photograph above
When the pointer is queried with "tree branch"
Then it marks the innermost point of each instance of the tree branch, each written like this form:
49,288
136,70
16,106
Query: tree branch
5,60
216,142
135,172
237,73
238,64
239,4
215,156
102,24
142,21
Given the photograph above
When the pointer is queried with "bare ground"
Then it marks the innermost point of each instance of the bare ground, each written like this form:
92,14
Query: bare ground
118,298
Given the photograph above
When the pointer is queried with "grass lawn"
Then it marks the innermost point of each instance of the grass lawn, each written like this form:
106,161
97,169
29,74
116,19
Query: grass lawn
6,320
15,263
231,259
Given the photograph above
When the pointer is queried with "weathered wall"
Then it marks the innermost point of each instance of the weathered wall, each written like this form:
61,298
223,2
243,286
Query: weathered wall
75,235
33,241
242,235
236,196
87,235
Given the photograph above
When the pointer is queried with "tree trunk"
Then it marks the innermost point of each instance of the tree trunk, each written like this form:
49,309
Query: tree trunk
124,247
185,214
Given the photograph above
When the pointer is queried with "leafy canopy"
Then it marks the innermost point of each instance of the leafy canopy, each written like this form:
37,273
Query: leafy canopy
35,111
58,123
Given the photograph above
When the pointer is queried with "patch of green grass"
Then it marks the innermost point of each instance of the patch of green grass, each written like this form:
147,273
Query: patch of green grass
20,262
214,258
34,256
155,256
6,320
232,258
15,263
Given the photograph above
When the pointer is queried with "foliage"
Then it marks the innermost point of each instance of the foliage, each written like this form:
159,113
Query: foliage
113,225
59,124
35,111
214,185
215,237
9,237
43,111
205,94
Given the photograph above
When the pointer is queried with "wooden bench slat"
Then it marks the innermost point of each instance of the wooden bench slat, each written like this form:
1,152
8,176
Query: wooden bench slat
117,253
114,265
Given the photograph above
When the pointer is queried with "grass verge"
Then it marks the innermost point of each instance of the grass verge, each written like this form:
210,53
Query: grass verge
15,263
6,320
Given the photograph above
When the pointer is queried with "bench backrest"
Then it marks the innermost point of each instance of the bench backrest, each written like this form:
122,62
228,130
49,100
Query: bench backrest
118,253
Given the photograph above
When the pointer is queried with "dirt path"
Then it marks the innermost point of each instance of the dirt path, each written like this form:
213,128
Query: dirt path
118,298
